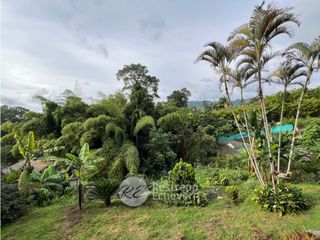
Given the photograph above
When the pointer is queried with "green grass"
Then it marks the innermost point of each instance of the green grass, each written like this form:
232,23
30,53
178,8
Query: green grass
153,220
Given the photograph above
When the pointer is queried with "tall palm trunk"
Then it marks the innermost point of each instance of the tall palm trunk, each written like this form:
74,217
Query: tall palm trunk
304,90
266,129
280,133
252,159
251,142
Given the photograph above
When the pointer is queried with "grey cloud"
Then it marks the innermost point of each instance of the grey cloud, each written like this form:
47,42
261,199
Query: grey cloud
52,44
153,27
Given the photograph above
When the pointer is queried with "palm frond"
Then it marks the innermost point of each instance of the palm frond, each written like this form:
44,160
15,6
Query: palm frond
142,123
118,132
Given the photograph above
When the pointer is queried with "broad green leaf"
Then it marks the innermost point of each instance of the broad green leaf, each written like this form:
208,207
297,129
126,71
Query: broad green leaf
73,158
31,145
84,152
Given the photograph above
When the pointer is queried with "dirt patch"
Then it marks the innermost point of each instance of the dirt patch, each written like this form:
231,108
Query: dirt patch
297,235
211,227
259,234
72,217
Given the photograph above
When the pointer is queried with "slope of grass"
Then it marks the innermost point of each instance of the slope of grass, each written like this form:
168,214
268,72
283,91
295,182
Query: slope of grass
153,220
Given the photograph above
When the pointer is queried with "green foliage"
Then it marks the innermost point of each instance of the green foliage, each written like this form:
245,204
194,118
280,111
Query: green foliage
117,132
311,133
24,183
127,161
82,158
73,110
287,200
13,203
94,131
136,75
161,157
70,138
7,156
203,147
27,149
179,98
182,174
222,176
171,120
183,189
142,123
12,177
306,163
12,114
103,189
41,187
232,193
234,161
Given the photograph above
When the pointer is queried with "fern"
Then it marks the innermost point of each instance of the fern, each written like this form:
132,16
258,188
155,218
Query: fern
142,123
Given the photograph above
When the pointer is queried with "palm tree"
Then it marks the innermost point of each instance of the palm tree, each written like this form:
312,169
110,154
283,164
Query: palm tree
253,42
221,57
309,56
286,75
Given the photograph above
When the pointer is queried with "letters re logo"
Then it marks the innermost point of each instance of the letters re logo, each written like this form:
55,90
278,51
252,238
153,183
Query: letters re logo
133,191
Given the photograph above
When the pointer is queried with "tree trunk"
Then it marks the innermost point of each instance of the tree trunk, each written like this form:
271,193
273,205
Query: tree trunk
280,133
305,86
251,141
266,129
106,202
252,159
80,195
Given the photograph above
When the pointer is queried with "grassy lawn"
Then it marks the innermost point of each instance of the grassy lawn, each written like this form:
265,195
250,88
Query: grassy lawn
153,220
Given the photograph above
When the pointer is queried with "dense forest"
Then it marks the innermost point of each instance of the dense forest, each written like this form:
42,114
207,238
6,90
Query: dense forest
162,132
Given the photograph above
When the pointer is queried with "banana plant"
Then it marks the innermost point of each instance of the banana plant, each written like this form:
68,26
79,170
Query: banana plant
48,184
77,163
26,149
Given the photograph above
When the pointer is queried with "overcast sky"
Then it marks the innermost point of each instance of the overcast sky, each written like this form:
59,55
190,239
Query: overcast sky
48,46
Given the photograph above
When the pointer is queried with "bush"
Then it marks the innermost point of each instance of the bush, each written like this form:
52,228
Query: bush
306,163
13,203
182,174
311,133
232,193
287,200
234,161
225,177
183,189
12,176
103,189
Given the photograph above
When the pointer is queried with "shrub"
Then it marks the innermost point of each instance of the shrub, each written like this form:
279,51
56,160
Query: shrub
311,133
224,180
287,200
216,176
306,163
13,203
12,176
232,193
103,189
183,188
182,174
